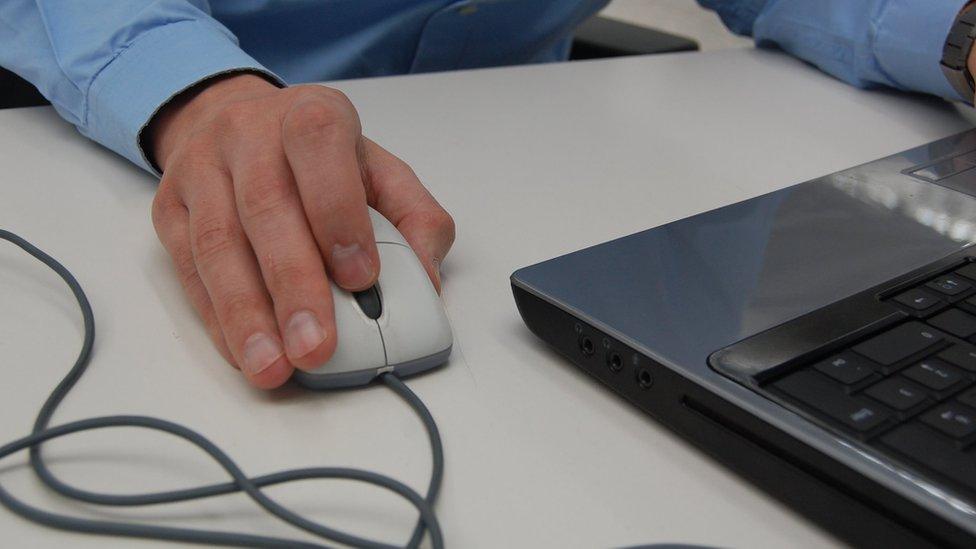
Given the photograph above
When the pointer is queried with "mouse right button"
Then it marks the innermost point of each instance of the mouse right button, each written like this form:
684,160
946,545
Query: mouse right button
384,231
413,321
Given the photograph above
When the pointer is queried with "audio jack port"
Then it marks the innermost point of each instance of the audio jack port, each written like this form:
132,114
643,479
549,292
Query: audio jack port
644,378
586,345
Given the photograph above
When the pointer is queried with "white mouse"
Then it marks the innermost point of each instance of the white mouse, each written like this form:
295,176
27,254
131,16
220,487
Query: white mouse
399,325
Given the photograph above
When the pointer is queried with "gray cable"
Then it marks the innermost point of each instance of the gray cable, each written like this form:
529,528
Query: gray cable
436,448
250,486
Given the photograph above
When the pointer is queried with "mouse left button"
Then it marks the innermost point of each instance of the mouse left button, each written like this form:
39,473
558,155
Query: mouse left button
359,352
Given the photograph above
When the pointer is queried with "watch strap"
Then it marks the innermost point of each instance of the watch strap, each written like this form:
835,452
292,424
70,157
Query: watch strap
955,55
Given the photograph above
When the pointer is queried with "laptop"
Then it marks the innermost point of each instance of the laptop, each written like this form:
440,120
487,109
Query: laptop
819,340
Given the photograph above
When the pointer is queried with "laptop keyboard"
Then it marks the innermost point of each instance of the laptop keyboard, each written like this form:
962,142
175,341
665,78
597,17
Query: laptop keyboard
910,390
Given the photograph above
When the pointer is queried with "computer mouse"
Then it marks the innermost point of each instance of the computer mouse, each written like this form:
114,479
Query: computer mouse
399,325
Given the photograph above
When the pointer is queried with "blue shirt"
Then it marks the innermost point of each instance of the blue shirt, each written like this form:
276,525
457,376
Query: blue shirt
108,65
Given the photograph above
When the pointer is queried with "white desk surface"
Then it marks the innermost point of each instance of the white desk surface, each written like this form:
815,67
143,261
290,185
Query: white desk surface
533,162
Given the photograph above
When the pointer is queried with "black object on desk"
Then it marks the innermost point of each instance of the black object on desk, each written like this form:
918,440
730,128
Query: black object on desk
600,37
17,92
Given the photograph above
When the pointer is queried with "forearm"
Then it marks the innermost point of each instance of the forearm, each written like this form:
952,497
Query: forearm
894,43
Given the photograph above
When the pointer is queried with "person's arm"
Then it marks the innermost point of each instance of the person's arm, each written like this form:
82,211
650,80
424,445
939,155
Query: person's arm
107,66
264,192
894,43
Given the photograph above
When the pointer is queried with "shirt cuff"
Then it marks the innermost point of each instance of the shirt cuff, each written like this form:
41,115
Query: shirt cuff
909,42
153,69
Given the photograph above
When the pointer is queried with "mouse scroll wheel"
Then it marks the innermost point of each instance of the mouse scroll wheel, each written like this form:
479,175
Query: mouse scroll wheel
369,302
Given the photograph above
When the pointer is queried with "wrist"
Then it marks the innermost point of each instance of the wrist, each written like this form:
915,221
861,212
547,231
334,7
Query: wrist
176,118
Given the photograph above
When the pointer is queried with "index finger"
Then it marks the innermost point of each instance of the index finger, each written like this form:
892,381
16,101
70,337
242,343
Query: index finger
320,134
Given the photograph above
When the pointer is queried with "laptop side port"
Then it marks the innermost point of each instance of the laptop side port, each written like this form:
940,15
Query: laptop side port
586,345
644,378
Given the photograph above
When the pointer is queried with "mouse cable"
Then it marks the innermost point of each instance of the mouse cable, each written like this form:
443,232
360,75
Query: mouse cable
240,482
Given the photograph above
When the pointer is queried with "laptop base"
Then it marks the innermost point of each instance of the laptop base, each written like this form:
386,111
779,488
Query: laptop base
832,495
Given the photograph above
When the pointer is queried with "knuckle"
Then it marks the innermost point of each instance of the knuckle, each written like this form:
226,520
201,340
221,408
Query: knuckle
337,97
320,115
186,267
331,209
400,166
161,208
331,95
191,281
288,274
214,236
442,222
265,196
237,307
233,115
165,202
199,155
408,171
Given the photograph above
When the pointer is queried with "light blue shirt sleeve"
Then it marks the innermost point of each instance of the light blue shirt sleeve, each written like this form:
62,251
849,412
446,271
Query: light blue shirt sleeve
895,43
107,66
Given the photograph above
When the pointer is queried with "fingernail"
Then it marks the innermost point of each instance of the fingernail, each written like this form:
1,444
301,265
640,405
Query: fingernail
303,334
351,266
260,352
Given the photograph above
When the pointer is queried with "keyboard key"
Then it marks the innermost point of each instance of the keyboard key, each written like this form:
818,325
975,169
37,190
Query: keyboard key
950,285
897,393
900,343
955,322
969,304
968,271
961,355
935,451
935,374
919,300
826,397
846,368
968,397
953,419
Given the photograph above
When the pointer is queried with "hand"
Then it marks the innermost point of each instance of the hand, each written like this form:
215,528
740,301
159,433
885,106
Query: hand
264,199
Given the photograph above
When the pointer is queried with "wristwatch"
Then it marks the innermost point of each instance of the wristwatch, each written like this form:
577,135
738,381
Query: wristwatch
955,54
